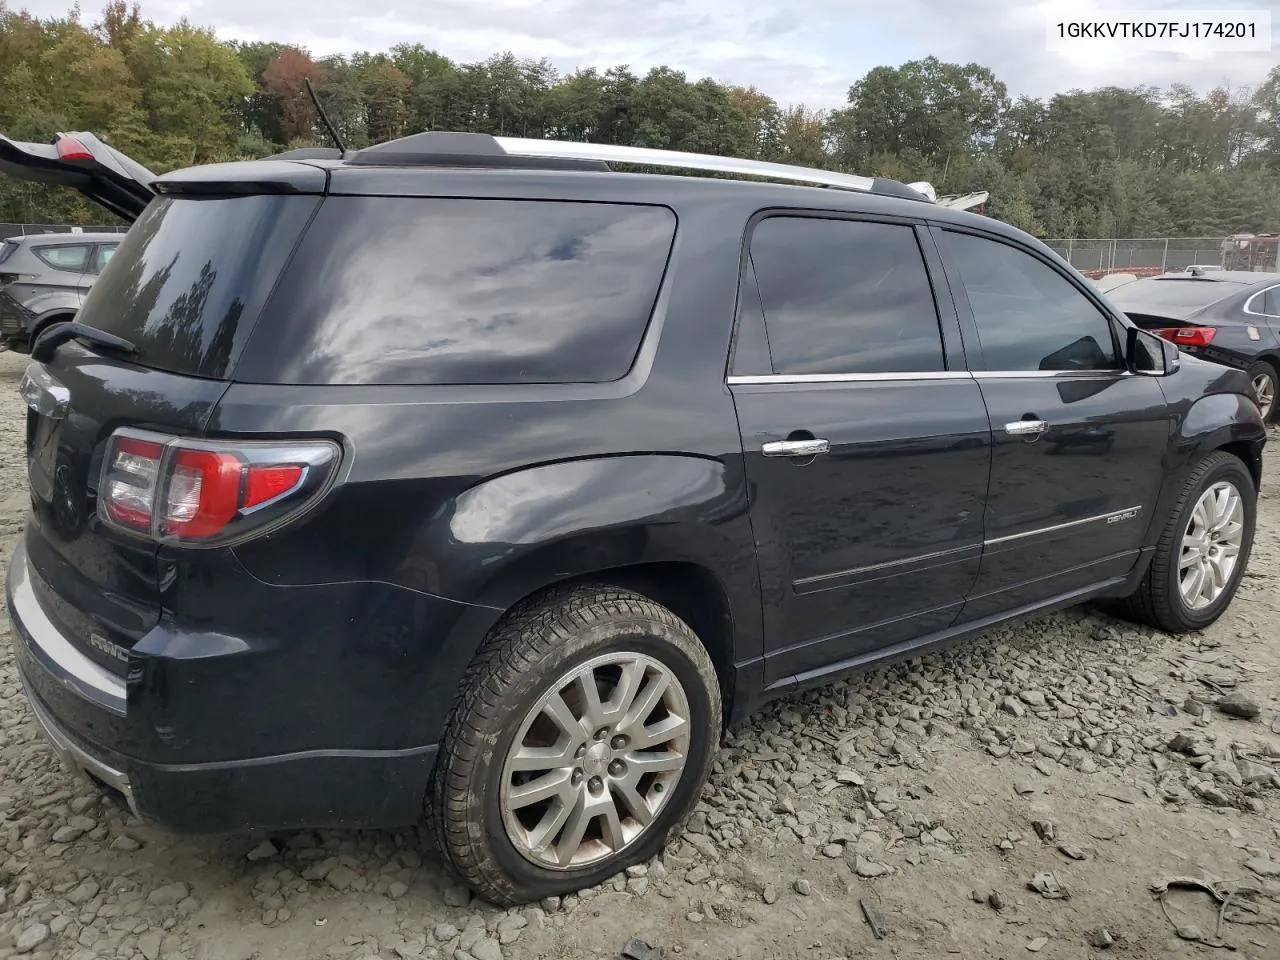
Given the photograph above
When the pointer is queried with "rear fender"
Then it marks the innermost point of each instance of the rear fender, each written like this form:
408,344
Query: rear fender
524,531
49,307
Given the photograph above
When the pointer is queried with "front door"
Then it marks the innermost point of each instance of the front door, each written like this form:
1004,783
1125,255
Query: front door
867,445
1078,441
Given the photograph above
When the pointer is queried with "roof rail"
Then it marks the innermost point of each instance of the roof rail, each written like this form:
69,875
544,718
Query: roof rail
645,156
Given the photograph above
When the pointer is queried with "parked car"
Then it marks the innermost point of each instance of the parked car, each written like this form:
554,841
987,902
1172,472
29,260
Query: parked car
1227,316
463,468
44,278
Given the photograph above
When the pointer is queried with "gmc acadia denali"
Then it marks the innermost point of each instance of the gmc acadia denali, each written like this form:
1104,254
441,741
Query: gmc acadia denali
466,474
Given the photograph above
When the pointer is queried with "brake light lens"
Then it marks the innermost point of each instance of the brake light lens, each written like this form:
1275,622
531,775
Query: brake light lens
1189,336
69,148
206,493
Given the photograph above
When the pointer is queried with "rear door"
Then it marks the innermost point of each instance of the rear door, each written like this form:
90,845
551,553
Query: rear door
66,269
867,445
82,162
1078,440
184,288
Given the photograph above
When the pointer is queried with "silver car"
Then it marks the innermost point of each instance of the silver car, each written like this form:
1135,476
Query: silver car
43,279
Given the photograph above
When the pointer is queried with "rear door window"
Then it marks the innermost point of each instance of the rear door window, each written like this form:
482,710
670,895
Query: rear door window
103,255
845,297
72,257
394,290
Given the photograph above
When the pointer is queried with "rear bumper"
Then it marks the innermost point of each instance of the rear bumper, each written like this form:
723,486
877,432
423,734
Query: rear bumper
86,713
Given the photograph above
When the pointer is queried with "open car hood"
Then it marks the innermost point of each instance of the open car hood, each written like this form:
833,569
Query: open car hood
83,162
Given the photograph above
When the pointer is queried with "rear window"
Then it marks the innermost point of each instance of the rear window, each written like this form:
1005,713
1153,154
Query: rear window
459,291
71,257
1185,294
191,275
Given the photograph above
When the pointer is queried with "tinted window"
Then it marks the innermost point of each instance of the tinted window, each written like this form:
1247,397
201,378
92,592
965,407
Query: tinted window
751,343
104,256
190,277
1271,302
64,258
845,297
420,291
7,249
1185,294
1029,316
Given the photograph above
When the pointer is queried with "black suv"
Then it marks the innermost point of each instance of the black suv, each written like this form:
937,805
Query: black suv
467,473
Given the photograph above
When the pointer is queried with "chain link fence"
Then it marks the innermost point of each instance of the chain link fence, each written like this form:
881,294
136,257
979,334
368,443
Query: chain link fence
1143,255
35,229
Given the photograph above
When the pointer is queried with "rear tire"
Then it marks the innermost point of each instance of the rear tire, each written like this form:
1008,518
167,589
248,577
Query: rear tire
1266,388
575,699
1199,535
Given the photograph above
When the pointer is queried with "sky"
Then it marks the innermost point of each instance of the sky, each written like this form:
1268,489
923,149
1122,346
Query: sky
808,52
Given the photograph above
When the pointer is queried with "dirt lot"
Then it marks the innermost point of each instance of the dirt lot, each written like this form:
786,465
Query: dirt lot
924,789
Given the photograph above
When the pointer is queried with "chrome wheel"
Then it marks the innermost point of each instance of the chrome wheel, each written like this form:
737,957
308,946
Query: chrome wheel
595,760
1211,545
1264,390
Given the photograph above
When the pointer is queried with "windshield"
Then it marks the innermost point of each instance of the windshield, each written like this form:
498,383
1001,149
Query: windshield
189,279
1187,295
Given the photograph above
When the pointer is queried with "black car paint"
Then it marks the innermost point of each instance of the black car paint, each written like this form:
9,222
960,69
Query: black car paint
304,678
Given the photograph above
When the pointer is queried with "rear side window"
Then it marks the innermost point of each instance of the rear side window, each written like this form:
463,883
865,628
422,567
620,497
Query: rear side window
189,278
72,257
844,296
103,256
455,291
1271,302
7,249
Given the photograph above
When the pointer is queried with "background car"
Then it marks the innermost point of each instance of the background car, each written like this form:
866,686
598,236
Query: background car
1227,316
43,280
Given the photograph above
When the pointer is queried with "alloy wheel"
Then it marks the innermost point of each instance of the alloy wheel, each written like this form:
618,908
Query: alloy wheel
1211,545
1264,390
594,761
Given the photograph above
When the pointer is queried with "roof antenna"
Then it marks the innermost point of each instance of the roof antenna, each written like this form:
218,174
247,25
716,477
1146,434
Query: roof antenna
328,124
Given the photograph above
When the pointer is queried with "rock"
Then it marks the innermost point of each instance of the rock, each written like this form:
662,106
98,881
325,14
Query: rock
769,894
1038,944
31,937
397,889
977,896
149,944
1100,938
833,851
67,834
486,949
1045,766
263,851
1046,884
995,900
169,895
1212,795
869,869
850,776
1074,853
457,895
1032,698
444,932
82,894
1144,679
998,750
341,877
1013,706
1189,931
1181,743
1044,829
1024,787
1238,705
1193,707
803,887
1264,866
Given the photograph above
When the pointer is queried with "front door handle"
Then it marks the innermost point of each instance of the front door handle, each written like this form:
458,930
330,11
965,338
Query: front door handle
1026,428
795,448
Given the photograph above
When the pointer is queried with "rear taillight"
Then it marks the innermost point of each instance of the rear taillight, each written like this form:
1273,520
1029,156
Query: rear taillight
1189,336
209,492
69,148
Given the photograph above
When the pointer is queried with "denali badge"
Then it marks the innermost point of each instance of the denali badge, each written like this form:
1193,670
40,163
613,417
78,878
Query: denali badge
103,645
1123,515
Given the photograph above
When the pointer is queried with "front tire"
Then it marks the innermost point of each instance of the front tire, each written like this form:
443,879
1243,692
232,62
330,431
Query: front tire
1266,388
584,731
1202,551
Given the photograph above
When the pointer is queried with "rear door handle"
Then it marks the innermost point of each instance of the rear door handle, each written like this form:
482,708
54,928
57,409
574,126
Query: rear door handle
795,448
1026,428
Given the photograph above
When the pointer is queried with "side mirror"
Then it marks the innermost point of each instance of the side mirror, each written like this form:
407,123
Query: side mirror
1149,355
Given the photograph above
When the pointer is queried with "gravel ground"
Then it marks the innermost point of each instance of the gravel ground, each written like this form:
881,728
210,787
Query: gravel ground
1018,793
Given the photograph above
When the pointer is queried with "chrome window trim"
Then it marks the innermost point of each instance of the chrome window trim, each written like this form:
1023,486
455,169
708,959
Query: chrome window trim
765,378
1263,292
1050,374
1122,514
